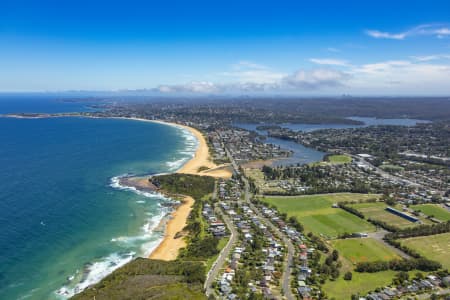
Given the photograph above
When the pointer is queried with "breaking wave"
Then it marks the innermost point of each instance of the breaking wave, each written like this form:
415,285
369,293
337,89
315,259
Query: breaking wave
94,272
145,241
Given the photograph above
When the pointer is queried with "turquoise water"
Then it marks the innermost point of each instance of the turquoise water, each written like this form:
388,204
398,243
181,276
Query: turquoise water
64,222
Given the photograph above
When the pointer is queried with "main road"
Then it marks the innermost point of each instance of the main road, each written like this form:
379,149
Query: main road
288,262
217,265
381,172
286,282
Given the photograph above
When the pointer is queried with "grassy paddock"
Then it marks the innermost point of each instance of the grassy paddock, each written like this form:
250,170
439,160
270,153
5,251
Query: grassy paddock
435,247
363,249
377,211
315,212
362,283
264,186
435,210
339,159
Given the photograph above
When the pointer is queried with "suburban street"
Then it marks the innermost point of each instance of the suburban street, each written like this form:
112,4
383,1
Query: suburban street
286,283
223,255
381,172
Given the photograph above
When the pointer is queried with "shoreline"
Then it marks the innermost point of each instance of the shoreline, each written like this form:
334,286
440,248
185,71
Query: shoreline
172,241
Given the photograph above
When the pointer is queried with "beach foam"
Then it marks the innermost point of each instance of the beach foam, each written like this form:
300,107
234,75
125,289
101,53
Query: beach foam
140,210
147,233
149,239
190,141
146,240
175,165
190,147
96,271
115,183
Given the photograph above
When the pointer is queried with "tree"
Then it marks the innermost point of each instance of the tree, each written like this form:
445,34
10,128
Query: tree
335,255
390,201
325,269
348,276
329,260
402,276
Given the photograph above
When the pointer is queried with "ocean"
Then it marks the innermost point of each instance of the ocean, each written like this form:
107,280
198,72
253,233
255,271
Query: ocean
65,222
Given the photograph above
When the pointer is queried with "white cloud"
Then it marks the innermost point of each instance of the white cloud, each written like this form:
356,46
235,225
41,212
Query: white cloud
191,87
332,49
257,76
329,61
381,66
246,71
301,80
385,35
315,79
410,77
415,76
436,30
245,64
431,57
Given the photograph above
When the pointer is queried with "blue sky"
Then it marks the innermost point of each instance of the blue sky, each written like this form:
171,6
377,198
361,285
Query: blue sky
295,47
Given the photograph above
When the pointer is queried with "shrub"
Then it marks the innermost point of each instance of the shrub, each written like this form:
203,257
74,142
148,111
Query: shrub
348,276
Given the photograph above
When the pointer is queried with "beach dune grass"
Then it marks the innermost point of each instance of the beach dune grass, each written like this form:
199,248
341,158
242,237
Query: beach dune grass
435,247
317,215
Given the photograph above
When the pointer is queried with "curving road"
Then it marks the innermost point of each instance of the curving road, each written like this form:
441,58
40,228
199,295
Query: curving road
288,262
217,265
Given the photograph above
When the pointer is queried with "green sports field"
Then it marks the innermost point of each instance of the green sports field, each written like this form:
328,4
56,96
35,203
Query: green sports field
435,210
339,159
363,249
315,212
361,283
377,211
435,247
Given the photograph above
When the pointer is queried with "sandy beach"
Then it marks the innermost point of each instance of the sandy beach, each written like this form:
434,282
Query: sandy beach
169,247
202,159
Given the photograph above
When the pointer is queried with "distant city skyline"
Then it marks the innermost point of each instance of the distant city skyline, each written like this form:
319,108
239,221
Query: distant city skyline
232,47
